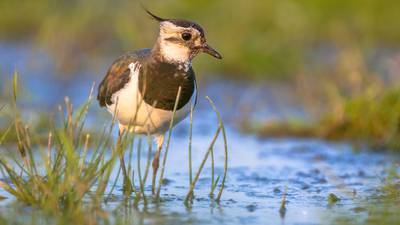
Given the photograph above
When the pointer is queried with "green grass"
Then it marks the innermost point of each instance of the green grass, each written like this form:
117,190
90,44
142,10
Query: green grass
58,178
256,39
69,176
344,101
371,120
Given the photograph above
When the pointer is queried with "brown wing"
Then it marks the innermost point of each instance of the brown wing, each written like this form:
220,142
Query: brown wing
118,75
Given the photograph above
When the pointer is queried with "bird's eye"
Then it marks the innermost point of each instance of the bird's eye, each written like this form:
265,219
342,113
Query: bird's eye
186,36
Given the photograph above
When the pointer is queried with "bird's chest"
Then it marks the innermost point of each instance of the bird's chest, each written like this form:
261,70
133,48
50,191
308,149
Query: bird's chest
132,109
159,85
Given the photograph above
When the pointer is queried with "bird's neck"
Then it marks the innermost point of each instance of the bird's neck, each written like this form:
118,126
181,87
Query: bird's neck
171,53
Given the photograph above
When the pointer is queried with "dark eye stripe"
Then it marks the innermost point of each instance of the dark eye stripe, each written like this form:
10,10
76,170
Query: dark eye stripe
173,39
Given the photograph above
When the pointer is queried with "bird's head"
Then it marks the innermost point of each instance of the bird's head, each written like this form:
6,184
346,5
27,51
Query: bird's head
181,40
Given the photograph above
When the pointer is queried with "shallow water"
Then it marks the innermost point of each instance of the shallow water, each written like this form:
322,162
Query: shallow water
260,171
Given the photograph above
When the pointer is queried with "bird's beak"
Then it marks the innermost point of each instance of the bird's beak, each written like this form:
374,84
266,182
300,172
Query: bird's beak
209,50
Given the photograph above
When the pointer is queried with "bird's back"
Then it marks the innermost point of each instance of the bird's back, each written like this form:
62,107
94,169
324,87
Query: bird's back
118,75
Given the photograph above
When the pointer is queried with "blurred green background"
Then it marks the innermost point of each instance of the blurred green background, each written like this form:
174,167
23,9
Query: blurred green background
339,59
257,38
336,60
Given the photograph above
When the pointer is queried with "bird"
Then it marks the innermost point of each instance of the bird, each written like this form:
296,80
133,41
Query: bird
140,89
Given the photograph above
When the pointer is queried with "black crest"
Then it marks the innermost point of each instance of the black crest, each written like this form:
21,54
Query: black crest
159,19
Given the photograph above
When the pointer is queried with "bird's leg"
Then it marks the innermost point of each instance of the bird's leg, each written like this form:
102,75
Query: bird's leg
156,161
127,184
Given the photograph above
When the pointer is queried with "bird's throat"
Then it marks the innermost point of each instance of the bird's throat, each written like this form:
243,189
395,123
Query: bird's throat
171,52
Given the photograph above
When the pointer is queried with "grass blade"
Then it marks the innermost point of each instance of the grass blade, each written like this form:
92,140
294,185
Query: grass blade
225,148
4,135
167,145
190,144
15,86
212,173
189,195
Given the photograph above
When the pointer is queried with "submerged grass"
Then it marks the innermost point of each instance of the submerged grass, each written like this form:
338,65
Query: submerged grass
70,177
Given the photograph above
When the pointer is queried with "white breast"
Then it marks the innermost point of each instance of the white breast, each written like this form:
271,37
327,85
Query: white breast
132,111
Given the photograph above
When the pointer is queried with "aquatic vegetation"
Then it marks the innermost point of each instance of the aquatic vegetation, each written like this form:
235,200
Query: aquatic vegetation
71,176
282,209
58,177
381,207
332,198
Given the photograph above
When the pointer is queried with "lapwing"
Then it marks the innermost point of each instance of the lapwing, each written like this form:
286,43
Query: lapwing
141,87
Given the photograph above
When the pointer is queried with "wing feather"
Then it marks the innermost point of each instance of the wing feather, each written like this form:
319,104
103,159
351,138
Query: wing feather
118,76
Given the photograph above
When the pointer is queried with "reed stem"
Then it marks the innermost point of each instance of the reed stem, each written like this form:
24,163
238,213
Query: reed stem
167,144
190,144
225,149
189,195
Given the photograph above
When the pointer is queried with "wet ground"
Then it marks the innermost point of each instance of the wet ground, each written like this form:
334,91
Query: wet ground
260,173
